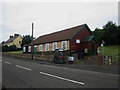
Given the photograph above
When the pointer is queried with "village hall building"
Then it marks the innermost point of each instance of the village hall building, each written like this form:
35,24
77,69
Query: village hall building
72,40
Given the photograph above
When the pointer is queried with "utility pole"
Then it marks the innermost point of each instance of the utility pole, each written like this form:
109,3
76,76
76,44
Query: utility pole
32,41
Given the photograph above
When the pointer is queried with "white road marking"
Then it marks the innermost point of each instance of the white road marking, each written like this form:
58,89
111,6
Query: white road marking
83,70
62,78
23,67
7,63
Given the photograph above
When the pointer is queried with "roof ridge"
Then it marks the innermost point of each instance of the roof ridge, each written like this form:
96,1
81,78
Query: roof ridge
62,30
58,35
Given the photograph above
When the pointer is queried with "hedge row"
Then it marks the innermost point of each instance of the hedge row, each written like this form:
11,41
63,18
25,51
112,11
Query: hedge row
6,48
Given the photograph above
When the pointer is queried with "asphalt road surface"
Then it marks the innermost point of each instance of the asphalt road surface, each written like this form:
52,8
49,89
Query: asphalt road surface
17,73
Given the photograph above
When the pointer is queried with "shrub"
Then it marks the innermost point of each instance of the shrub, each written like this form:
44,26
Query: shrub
12,48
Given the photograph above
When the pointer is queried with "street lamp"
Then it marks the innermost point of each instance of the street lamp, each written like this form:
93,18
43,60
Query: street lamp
102,45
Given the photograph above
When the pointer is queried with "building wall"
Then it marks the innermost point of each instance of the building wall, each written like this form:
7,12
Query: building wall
50,46
81,35
59,45
16,41
43,47
11,43
68,44
38,47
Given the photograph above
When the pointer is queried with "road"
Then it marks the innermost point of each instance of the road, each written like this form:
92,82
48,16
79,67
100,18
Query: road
17,73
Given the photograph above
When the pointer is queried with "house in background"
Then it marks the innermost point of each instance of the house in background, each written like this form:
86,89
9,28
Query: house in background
14,40
72,40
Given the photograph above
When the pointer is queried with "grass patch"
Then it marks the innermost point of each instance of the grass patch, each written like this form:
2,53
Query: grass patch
110,50
15,52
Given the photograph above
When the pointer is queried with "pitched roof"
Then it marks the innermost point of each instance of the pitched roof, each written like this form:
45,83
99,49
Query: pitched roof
11,39
58,36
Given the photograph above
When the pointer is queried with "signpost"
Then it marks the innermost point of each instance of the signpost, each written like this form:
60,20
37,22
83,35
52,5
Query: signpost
102,45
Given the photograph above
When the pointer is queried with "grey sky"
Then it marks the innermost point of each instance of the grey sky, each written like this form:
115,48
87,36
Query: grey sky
49,17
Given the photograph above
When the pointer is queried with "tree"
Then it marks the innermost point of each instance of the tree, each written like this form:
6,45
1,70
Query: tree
118,35
110,33
27,39
98,33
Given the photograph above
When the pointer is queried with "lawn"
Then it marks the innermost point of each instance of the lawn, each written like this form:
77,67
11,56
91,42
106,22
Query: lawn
15,52
111,51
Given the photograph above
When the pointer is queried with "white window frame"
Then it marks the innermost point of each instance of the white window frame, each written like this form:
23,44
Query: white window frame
46,46
40,47
65,45
54,46
24,48
29,50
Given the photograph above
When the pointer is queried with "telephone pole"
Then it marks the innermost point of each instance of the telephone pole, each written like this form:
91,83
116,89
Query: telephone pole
32,41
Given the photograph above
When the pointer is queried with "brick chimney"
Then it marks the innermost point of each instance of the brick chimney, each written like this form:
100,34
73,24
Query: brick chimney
16,34
11,36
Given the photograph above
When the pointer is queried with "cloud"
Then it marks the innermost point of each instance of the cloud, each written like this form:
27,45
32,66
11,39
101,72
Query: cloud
51,17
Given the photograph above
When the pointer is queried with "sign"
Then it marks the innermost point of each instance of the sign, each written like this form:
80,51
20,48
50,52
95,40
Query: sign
101,45
70,58
61,49
77,41
86,50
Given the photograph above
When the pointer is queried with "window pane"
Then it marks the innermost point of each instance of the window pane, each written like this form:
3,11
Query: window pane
47,47
29,48
40,47
64,45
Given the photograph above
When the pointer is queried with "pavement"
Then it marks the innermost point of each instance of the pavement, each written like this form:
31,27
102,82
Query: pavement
25,73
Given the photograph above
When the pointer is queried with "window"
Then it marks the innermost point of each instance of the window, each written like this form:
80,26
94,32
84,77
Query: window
40,47
20,42
54,46
47,46
29,49
64,45
24,49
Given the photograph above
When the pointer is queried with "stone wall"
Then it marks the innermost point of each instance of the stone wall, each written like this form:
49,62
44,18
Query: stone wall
42,57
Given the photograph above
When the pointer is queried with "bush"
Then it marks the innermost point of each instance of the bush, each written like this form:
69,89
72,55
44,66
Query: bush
5,48
13,48
19,49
